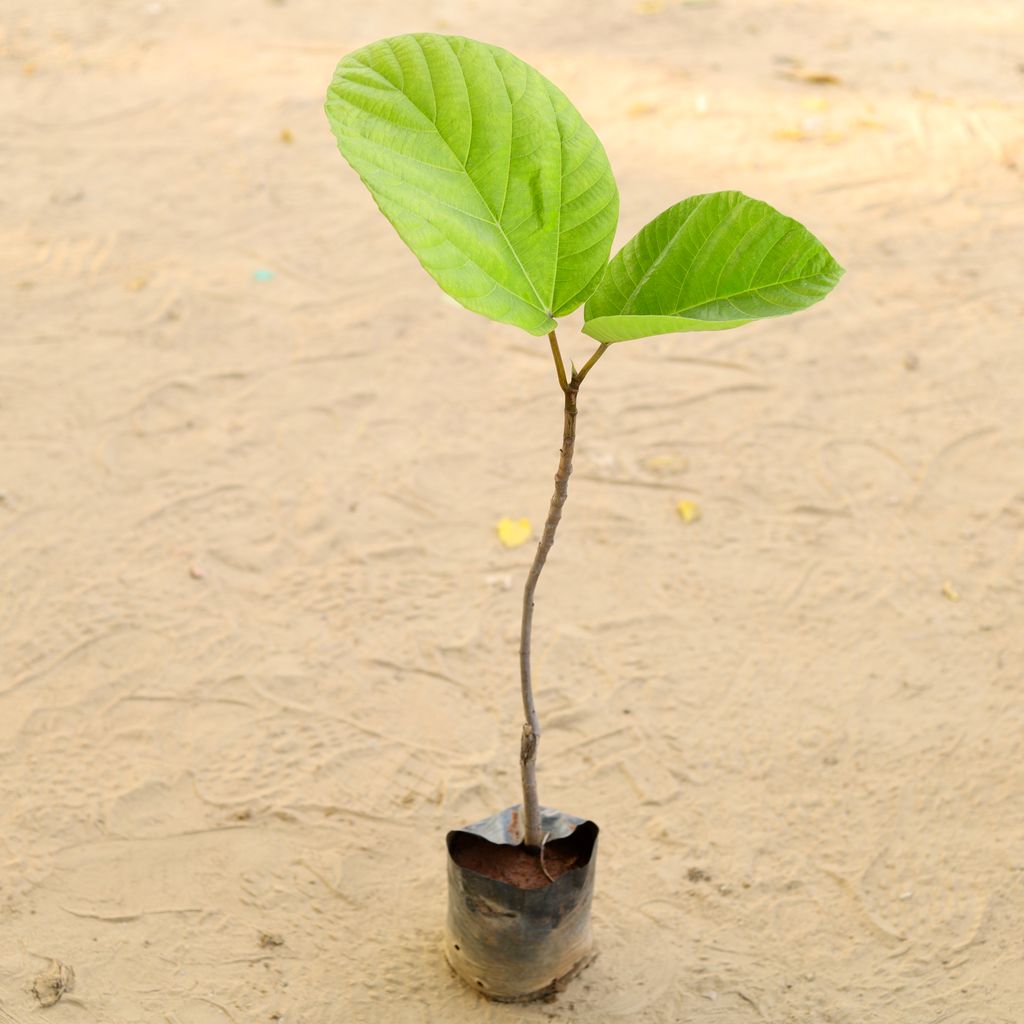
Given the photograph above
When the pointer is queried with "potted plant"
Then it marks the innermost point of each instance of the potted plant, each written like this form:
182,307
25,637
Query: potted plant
506,197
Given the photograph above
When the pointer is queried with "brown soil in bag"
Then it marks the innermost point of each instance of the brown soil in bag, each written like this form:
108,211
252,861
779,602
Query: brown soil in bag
516,864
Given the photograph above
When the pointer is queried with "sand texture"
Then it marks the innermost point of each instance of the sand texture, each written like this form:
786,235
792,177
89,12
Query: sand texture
258,633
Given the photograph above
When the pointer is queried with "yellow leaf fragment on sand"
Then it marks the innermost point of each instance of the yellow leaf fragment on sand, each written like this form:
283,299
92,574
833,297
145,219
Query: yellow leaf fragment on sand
791,135
950,592
667,463
641,109
514,532
650,7
813,77
815,103
286,136
689,511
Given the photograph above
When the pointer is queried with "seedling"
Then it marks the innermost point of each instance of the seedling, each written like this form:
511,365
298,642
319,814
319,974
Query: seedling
506,197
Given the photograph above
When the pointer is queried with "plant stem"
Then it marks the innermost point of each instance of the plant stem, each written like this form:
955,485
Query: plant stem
531,727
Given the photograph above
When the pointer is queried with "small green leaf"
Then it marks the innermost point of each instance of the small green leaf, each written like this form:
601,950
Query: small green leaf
485,169
710,263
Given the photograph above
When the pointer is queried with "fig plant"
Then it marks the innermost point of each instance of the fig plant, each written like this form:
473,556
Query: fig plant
506,197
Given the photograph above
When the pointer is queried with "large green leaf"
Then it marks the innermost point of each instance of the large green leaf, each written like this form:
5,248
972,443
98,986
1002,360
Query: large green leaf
706,264
485,169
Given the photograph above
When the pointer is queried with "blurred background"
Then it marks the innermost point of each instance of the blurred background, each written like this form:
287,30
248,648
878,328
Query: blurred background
258,629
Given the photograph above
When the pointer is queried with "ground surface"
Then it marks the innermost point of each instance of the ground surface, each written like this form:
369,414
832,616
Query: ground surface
257,633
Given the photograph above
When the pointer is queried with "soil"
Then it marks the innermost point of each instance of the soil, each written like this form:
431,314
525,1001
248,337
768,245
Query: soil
517,865
258,633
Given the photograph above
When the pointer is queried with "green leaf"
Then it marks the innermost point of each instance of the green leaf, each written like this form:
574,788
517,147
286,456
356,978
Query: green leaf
710,263
485,169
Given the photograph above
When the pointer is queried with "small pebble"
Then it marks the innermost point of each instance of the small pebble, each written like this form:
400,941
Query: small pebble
50,986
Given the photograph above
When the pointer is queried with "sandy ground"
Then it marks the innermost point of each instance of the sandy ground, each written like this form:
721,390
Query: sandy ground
257,632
